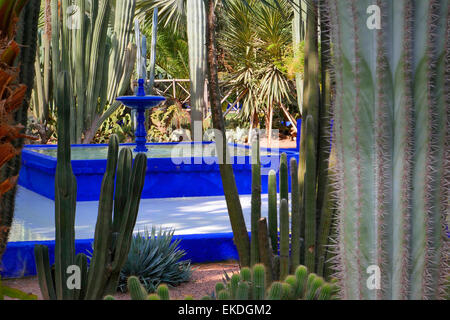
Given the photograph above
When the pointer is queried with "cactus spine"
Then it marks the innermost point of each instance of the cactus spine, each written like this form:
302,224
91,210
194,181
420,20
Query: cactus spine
113,233
392,147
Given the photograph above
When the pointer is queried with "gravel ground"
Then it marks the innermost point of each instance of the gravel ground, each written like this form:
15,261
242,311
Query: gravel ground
203,281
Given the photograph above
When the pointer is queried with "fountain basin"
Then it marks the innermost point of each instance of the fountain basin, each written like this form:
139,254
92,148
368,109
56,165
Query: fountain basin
141,102
169,174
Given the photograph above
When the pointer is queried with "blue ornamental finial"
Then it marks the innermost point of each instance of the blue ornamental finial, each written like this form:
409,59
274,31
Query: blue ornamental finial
141,89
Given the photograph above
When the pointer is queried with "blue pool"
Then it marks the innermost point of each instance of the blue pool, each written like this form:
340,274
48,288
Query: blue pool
173,169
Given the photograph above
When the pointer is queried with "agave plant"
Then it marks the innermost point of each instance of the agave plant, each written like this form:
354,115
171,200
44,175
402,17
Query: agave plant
155,259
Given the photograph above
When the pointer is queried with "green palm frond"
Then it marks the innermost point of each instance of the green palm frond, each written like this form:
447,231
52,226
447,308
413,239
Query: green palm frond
255,42
172,53
171,13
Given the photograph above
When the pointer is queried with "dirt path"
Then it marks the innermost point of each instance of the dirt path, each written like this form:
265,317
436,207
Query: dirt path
203,281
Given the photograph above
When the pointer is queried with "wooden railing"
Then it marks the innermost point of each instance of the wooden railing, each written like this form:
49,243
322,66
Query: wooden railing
173,88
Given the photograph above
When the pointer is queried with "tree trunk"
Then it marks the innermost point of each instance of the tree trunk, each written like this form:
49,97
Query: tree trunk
237,221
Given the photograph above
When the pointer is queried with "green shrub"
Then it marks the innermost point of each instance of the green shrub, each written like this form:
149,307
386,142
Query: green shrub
155,259
118,123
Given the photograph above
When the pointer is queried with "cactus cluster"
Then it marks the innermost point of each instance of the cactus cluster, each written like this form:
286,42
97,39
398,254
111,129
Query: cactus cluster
91,40
392,144
290,238
250,284
303,236
138,292
118,207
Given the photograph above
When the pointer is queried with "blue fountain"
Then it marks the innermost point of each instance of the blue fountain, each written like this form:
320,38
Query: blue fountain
141,102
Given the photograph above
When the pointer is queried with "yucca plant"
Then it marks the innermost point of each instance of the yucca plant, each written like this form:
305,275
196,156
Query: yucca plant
13,95
155,258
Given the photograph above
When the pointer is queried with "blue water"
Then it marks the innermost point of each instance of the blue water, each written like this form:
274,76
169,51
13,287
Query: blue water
155,151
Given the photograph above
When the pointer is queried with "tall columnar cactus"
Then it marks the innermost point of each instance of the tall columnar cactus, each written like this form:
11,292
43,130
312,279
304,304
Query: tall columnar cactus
284,180
298,36
151,77
284,239
313,199
196,33
255,202
296,223
118,207
309,196
95,47
392,145
42,96
295,232
273,210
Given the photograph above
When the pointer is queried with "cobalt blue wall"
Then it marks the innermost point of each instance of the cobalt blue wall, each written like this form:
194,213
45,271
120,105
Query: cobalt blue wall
164,178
